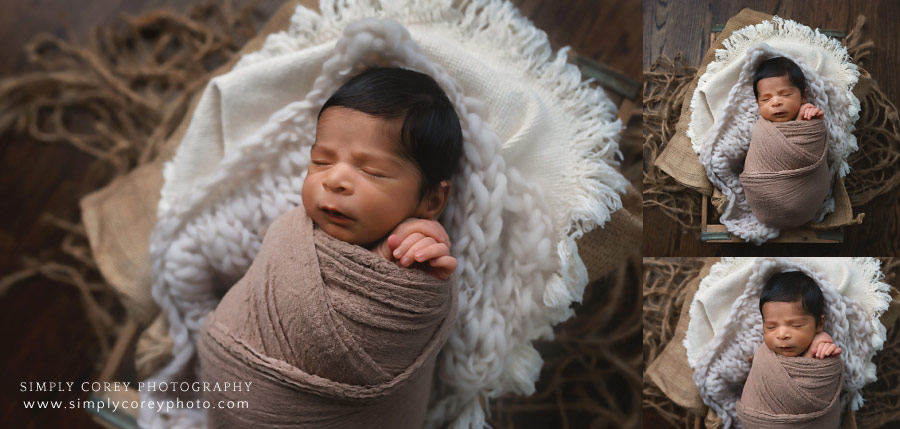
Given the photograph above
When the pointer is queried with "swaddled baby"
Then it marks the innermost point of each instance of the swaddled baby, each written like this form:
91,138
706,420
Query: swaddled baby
796,375
338,321
785,177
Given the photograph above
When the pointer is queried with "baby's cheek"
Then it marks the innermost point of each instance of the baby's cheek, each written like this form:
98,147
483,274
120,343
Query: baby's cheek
306,194
767,338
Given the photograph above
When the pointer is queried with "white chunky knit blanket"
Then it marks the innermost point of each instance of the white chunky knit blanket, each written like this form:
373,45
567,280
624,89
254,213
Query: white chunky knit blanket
723,110
726,326
539,149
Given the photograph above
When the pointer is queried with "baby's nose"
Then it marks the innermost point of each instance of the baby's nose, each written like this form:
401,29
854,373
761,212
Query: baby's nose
333,186
338,180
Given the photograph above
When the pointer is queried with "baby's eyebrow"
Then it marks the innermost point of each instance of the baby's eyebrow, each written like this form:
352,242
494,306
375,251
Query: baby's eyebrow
321,148
364,157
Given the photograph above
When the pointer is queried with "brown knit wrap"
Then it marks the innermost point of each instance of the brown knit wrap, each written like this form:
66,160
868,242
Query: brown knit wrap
791,392
785,177
328,333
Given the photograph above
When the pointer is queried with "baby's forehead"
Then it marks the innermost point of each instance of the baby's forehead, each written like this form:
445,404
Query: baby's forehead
340,125
776,82
784,310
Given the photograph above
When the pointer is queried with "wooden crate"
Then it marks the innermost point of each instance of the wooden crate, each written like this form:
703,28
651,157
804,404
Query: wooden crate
717,233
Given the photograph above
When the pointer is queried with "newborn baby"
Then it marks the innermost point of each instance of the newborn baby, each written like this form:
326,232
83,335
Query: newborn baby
796,375
340,317
785,177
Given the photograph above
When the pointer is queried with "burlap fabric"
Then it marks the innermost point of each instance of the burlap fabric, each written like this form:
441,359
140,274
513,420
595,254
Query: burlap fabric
669,389
679,160
120,217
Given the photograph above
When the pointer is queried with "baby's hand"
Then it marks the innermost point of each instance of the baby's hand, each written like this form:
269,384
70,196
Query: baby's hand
823,346
827,349
808,111
417,241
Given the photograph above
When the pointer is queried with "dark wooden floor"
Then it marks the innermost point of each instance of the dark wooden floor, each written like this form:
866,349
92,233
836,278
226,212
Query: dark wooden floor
46,337
684,26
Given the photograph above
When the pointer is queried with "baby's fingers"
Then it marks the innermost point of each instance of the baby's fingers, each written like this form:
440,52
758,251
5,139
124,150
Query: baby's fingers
394,240
433,251
428,228
406,244
410,255
444,266
830,349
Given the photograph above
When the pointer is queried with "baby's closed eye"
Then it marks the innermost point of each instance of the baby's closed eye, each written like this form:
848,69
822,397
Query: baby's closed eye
375,173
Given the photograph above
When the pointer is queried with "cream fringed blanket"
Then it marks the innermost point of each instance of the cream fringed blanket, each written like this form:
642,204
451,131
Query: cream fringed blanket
329,334
791,392
785,177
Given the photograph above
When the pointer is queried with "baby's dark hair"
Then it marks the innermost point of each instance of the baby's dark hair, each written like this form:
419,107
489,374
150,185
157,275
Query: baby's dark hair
779,66
792,286
431,136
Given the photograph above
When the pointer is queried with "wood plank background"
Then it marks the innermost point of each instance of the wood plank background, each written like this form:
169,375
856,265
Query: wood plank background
683,26
46,337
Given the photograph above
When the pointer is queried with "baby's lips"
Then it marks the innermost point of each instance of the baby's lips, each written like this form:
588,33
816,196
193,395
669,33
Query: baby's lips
330,208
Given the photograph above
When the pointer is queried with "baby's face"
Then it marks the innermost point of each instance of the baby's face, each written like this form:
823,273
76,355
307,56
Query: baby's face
788,328
779,100
359,187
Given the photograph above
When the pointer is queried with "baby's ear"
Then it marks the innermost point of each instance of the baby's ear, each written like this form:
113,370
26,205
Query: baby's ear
434,201
805,95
